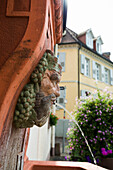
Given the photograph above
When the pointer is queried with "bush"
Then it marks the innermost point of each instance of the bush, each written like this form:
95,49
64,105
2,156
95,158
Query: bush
53,119
94,115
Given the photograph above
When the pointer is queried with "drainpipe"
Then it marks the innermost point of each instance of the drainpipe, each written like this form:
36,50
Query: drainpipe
54,111
80,45
56,50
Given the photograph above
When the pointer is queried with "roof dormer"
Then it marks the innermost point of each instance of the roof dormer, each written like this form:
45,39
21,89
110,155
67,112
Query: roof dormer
98,44
89,38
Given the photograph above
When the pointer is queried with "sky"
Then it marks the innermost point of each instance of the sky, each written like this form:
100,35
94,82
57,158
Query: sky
94,14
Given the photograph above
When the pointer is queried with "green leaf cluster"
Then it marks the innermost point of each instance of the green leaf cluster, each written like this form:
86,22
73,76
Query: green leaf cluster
53,119
94,115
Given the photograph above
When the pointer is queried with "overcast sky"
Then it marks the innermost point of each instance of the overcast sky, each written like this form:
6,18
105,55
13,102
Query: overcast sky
94,14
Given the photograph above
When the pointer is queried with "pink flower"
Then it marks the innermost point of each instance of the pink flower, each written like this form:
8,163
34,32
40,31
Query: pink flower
65,157
81,151
103,149
70,148
109,151
104,153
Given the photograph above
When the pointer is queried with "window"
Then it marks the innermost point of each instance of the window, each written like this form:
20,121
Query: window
61,60
99,43
98,72
111,77
61,98
107,76
89,38
102,73
85,93
97,47
85,65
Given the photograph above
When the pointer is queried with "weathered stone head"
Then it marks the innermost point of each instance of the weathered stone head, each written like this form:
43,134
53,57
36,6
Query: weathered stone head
36,99
49,90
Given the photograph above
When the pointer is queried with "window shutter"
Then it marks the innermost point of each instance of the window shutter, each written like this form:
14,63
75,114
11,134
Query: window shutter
82,63
94,69
61,98
103,73
61,60
89,67
111,77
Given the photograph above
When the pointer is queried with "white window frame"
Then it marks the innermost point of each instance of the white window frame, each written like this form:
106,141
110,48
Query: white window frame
107,76
98,47
61,60
89,39
103,74
61,97
85,65
98,71
99,43
111,77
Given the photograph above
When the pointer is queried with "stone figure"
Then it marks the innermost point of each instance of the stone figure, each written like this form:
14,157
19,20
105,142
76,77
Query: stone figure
49,90
36,99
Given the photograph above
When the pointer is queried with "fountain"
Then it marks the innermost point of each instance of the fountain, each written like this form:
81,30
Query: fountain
57,104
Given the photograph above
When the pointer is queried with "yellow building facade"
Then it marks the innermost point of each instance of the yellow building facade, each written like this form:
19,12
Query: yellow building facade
84,69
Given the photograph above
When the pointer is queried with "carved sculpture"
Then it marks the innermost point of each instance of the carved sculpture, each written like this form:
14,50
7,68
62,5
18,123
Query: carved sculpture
35,101
50,82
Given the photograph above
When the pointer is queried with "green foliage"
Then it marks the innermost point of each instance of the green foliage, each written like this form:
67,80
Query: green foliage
94,115
53,119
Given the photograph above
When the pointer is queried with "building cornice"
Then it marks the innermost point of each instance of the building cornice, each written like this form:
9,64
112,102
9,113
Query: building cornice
68,46
75,81
97,57
88,51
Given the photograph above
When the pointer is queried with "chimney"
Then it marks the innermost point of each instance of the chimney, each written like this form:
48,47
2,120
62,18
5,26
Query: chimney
107,55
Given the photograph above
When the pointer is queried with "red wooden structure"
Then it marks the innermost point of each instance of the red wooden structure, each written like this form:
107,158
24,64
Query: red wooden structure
28,28
58,165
